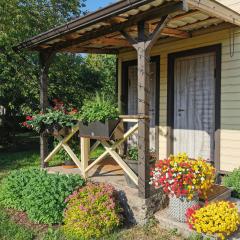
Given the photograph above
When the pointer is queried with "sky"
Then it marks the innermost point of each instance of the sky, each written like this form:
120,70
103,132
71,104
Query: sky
93,5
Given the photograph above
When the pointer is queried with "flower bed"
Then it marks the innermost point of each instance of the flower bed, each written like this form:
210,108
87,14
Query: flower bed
220,219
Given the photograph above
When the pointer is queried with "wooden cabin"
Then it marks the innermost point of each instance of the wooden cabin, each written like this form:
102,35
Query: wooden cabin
178,69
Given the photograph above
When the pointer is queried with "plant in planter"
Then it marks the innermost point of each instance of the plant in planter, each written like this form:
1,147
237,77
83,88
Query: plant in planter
183,179
132,161
217,219
99,118
55,121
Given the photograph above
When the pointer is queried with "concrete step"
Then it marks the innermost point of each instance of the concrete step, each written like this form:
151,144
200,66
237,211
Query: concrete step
217,194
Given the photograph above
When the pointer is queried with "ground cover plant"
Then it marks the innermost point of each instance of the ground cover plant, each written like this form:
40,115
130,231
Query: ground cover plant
92,212
38,193
232,180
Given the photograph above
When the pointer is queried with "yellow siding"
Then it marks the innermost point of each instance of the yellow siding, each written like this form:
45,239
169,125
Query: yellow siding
230,91
233,4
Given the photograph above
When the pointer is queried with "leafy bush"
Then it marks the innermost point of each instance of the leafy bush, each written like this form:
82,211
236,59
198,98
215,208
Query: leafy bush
38,193
98,109
92,212
232,180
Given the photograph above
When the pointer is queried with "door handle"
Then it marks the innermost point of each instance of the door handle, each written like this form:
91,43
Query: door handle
181,110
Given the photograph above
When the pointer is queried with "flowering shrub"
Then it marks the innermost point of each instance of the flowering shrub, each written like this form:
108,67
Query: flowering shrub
217,218
57,117
92,211
183,177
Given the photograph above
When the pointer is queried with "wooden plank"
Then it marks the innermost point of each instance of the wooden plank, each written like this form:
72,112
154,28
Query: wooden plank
120,162
94,146
155,35
73,156
175,33
85,147
213,8
114,146
58,147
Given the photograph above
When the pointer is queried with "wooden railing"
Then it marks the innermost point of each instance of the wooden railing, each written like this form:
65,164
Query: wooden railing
110,147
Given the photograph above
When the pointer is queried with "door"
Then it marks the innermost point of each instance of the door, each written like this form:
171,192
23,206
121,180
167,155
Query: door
194,105
132,103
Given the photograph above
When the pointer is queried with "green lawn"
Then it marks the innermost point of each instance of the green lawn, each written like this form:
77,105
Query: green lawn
15,160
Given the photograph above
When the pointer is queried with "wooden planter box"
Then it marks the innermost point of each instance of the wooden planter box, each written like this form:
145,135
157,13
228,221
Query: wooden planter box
98,130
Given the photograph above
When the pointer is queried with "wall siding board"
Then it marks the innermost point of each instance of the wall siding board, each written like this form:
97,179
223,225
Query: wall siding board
230,90
233,4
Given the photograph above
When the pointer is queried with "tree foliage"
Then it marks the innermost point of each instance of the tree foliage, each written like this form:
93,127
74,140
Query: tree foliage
69,74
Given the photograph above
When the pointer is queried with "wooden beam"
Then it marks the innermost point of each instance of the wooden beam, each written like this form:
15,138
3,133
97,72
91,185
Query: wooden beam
120,162
45,58
143,124
59,146
111,42
155,35
80,49
201,24
73,156
85,149
175,33
215,9
147,15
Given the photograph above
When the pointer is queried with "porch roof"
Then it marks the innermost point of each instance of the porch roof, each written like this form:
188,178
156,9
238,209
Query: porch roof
100,31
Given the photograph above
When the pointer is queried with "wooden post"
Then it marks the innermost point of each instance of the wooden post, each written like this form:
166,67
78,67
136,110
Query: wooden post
44,62
143,44
143,112
85,149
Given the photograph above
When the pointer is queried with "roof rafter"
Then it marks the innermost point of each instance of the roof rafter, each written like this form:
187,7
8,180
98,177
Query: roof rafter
155,12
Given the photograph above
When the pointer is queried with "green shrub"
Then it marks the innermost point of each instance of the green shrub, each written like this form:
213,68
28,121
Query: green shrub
232,180
38,193
92,212
98,109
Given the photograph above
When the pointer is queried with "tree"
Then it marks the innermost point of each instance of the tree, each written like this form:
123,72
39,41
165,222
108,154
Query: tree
19,20
105,66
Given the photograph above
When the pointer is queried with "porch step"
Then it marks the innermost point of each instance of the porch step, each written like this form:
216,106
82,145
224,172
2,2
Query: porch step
169,223
218,193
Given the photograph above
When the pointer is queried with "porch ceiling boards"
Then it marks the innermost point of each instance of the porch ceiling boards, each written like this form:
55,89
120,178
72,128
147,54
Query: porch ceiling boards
100,32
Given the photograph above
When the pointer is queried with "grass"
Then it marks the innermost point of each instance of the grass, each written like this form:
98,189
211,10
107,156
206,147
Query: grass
12,231
16,160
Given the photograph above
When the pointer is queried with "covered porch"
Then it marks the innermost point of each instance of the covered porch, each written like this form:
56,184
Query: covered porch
138,25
